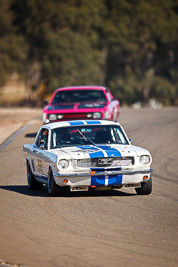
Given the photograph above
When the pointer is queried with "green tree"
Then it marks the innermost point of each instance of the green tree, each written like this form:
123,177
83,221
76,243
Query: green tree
70,61
143,45
12,46
62,46
128,46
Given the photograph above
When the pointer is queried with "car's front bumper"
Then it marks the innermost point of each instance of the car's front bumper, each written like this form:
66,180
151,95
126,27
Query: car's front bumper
103,178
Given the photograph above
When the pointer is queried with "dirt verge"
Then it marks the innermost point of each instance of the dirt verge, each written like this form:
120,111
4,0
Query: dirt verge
12,119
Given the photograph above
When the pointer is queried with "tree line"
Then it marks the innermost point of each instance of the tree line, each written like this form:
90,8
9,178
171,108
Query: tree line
129,46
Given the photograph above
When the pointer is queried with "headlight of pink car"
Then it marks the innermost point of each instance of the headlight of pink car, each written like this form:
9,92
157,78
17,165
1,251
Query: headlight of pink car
96,115
52,117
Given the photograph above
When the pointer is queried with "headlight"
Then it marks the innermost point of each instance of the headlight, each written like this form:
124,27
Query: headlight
144,159
96,115
89,115
60,116
52,117
63,164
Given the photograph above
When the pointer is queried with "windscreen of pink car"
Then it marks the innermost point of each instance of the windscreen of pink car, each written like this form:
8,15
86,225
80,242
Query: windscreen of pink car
79,96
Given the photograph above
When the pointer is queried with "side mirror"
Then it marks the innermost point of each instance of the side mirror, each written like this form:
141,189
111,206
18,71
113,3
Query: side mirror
45,102
130,140
42,146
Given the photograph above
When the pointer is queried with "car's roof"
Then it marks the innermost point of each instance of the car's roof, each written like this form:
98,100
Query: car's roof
91,87
78,123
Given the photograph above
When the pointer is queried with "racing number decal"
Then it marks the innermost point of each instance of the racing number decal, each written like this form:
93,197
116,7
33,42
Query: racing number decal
39,164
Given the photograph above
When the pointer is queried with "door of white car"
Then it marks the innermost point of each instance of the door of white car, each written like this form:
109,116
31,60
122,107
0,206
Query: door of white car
40,158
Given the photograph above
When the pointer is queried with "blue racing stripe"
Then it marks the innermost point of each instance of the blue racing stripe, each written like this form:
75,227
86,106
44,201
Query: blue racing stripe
93,152
98,180
97,154
111,152
75,123
93,122
115,179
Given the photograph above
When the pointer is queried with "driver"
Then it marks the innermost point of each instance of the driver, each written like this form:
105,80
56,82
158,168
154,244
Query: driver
63,137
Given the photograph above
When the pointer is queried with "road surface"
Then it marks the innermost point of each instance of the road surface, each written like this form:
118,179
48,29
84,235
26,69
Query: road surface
117,228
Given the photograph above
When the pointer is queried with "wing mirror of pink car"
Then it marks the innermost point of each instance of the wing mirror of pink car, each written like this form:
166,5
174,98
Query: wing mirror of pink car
45,102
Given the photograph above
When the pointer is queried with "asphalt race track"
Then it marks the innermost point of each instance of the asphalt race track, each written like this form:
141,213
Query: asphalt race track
117,228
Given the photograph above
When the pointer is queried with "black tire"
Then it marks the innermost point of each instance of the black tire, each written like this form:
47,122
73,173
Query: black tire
32,183
53,188
145,189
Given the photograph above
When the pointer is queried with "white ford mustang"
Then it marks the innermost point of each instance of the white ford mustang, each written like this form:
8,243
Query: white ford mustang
80,155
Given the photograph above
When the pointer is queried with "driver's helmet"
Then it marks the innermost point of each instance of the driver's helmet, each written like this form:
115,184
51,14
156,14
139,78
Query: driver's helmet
63,136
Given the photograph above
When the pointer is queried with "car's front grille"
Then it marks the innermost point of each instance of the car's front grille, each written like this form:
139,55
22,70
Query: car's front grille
74,116
105,162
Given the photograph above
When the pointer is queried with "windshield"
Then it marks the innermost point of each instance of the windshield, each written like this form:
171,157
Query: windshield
79,96
87,135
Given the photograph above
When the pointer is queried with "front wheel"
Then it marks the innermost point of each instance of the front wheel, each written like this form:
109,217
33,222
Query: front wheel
32,183
53,188
145,189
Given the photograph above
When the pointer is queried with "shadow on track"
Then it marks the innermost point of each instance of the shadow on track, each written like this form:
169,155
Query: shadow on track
23,189
30,135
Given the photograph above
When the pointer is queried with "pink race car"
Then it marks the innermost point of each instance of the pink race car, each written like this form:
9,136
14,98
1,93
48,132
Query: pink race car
81,102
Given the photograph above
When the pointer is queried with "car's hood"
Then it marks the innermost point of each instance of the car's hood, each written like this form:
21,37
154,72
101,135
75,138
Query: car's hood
91,151
75,106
